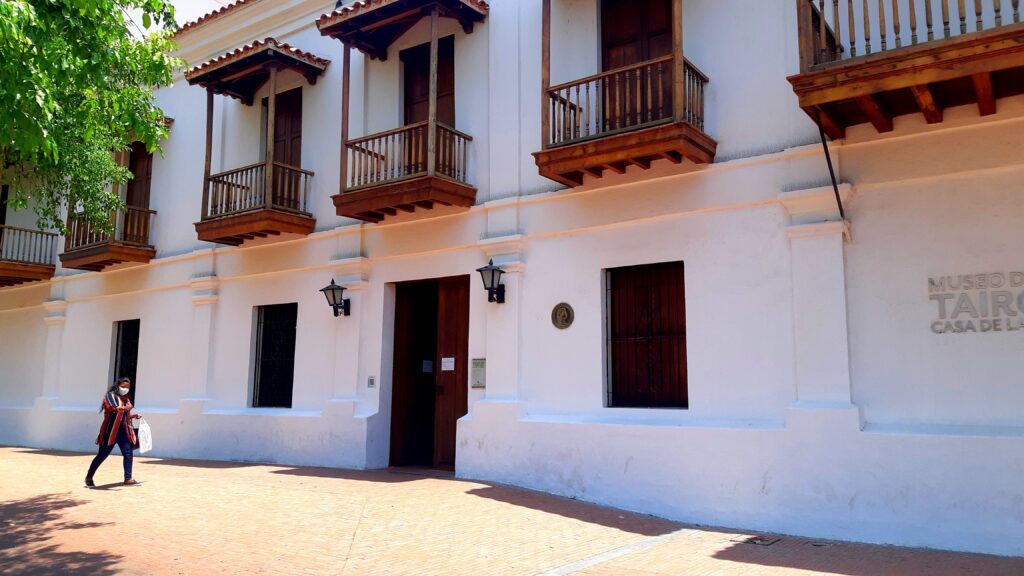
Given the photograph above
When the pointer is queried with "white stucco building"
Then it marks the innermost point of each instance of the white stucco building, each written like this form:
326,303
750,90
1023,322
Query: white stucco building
856,379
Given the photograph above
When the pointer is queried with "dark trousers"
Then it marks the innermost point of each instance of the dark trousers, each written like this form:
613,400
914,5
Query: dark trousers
126,450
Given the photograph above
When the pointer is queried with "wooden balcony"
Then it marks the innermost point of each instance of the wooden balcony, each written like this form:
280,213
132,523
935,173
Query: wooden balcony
86,247
400,171
243,204
26,255
624,117
866,61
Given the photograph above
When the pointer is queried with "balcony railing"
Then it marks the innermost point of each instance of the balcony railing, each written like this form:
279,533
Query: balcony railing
621,100
26,246
403,153
245,189
839,30
132,226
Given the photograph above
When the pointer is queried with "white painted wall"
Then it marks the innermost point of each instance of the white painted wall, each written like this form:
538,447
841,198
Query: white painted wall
929,452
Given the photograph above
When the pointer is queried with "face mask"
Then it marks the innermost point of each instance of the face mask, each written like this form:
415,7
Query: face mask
122,391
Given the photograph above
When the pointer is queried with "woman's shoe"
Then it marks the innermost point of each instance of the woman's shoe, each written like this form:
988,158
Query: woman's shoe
132,482
89,483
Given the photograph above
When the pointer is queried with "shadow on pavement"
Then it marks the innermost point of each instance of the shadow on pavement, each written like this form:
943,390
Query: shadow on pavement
375,476
25,530
852,559
576,510
211,464
44,452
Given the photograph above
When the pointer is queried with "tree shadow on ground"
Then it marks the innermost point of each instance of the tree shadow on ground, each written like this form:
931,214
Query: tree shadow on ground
577,510
26,529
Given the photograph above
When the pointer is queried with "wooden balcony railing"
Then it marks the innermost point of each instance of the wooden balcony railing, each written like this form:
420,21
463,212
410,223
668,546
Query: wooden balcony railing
838,30
620,100
26,246
403,153
245,189
132,226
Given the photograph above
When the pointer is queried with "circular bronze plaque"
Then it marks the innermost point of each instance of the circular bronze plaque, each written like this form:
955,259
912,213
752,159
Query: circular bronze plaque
562,316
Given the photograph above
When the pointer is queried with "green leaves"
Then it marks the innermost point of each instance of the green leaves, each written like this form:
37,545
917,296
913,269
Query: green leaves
76,86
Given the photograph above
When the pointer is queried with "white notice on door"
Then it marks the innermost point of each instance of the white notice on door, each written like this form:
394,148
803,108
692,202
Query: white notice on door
447,364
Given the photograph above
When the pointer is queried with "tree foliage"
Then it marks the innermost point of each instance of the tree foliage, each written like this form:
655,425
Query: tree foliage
76,85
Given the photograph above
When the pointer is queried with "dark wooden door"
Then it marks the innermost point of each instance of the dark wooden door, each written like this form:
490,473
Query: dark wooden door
140,163
647,336
632,32
287,148
430,372
288,128
453,363
416,65
3,215
416,102
413,380
126,356
275,355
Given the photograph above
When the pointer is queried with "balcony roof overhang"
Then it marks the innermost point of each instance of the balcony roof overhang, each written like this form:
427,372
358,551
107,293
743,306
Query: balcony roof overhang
371,26
241,72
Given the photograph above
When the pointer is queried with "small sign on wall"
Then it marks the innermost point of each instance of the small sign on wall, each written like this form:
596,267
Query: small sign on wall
478,373
973,303
447,364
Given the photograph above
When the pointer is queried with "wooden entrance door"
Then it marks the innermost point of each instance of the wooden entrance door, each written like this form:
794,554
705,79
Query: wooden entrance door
632,32
416,82
430,374
453,373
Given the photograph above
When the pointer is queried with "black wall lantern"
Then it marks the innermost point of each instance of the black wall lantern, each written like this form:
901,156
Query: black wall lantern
491,275
336,298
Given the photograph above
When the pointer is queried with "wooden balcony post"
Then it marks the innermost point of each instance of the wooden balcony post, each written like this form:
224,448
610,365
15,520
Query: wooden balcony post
345,85
209,153
805,34
432,117
678,63
271,113
545,74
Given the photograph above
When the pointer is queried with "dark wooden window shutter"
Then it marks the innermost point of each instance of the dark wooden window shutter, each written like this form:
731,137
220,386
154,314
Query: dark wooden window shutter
646,333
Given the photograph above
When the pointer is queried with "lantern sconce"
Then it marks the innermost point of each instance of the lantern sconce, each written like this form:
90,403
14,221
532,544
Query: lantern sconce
491,276
336,299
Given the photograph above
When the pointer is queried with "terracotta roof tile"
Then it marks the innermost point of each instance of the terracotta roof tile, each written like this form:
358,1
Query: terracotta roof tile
213,15
360,6
252,48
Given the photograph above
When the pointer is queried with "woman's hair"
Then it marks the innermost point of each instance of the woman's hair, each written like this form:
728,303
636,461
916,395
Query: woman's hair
114,386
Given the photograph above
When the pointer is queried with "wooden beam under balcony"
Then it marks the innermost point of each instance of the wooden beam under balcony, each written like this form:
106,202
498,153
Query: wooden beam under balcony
624,117
26,255
392,172
89,248
937,63
237,207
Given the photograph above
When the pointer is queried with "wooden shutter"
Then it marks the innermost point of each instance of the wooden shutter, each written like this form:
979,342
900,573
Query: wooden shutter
647,336
275,355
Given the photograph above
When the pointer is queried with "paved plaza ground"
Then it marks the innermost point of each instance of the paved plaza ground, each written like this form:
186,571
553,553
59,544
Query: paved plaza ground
194,517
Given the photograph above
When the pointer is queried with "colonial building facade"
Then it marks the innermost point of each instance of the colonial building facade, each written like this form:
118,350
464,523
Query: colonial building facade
702,314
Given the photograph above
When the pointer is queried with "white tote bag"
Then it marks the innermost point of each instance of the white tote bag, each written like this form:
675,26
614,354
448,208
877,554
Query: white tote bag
145,436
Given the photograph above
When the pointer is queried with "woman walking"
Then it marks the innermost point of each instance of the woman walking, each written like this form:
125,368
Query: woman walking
116,429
